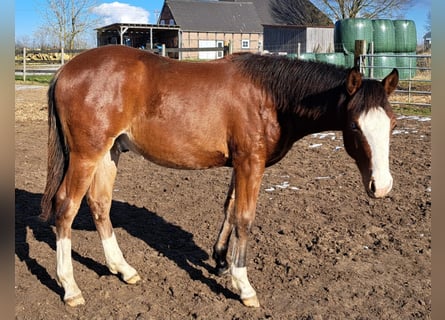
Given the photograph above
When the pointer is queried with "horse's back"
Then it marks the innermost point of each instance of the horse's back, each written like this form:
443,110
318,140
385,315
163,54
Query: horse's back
118,79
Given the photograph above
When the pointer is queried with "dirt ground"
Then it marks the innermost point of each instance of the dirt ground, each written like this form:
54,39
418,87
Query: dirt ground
320,247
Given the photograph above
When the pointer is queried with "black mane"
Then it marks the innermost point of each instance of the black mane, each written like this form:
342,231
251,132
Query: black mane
292,82
307,88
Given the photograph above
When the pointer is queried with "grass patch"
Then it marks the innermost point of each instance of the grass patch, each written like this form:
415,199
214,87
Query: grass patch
34,79
410,110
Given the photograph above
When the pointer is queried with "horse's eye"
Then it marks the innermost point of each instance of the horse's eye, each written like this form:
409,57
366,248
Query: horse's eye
354,126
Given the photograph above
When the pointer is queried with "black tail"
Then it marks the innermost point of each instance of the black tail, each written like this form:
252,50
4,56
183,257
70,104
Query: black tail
58,155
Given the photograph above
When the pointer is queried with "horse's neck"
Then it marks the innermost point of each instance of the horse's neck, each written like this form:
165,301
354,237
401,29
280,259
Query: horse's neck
316,120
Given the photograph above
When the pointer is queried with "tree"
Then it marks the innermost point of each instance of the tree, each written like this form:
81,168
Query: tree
371,9
297,12
23,42
428,22
67,20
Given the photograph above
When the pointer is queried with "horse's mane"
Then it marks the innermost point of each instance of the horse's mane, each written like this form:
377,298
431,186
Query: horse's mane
306,88
292,82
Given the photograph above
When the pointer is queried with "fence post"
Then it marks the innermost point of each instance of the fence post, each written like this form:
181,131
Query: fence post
371,75
163,50
24,64
360,49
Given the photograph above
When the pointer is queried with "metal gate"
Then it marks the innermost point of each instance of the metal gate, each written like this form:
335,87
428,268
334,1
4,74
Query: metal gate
414,71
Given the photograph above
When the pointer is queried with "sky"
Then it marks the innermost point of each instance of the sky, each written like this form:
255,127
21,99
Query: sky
28,19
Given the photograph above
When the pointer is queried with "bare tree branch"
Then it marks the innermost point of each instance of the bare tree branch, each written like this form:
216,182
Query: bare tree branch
428,22
297,12
372,9
66,20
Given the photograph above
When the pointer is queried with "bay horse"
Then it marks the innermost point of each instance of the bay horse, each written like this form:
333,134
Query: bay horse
243,111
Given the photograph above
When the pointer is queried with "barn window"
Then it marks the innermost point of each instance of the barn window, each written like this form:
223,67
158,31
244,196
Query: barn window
245,44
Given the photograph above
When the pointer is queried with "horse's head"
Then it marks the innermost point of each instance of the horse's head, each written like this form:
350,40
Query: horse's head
368,127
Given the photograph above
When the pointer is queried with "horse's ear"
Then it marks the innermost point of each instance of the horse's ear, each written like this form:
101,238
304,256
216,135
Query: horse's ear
353,81
391,81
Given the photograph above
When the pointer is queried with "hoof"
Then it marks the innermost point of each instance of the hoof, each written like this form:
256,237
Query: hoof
252,302
75,301
133,280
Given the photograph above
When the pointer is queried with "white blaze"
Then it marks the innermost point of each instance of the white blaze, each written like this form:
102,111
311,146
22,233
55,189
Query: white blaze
375,126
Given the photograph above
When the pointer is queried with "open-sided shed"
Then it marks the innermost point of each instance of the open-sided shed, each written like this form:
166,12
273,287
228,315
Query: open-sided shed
144,36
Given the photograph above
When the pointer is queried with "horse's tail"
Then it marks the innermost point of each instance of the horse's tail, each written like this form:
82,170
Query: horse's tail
57,155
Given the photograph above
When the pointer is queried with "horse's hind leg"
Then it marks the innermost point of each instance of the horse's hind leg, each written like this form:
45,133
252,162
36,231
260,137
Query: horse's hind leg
99,199
222,243
67,202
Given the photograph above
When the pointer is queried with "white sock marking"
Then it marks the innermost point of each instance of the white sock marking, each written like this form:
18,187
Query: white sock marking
65,268
115,259
375,125
241,282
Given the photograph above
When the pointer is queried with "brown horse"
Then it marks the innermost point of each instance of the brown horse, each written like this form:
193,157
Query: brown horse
244,111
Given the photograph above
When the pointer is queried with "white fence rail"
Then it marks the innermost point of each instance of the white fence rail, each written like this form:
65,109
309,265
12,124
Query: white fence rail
40,62
37,62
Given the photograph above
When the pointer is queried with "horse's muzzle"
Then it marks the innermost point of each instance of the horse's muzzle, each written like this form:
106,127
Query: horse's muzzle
377,190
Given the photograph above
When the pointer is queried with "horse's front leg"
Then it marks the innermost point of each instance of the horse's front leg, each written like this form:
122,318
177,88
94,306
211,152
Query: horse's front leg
222,243
248,175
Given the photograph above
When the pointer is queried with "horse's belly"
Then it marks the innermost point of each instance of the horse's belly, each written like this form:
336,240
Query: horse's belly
192,162
179,152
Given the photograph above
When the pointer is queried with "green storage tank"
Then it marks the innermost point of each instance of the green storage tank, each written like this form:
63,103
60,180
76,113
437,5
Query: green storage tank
384,35
349,60
348,30
336,58
405,35
383,64
338,45
307,56
406,65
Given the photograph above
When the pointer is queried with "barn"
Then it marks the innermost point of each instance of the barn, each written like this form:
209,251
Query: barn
296,28
244,25
207,24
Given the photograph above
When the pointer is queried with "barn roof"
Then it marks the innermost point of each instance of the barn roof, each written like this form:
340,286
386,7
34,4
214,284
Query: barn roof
247,16
304,13
215,16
